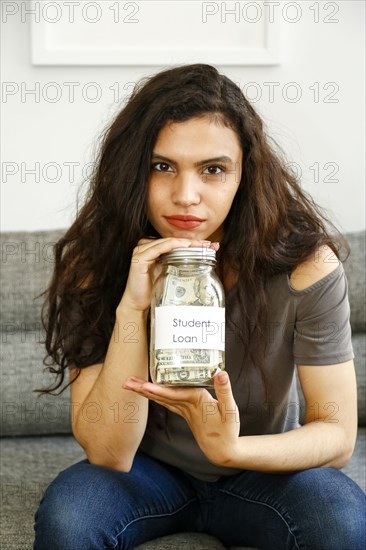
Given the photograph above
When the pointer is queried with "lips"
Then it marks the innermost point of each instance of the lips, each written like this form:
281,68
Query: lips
184,221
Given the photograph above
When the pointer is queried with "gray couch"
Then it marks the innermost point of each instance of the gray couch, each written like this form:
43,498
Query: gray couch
36,437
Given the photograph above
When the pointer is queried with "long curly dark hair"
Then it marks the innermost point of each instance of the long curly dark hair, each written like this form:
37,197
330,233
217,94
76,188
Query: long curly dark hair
273,225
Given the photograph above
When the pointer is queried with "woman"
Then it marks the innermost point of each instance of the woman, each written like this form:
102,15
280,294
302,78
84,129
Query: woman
187,163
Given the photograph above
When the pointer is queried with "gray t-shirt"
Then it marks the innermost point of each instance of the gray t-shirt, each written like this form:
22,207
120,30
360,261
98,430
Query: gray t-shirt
307,327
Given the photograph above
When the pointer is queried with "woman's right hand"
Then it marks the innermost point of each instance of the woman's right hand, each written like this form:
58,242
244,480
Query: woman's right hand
144,270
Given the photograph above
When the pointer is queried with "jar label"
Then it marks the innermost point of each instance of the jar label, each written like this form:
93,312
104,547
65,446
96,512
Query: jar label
193,327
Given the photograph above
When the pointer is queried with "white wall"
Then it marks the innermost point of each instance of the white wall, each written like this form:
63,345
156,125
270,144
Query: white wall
322,130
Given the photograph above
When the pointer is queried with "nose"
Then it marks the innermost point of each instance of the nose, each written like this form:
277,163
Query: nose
186,190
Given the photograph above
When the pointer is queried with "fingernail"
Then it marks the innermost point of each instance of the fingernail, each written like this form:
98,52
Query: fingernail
222,378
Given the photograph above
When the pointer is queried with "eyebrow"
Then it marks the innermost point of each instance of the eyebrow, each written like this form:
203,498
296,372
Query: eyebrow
222,158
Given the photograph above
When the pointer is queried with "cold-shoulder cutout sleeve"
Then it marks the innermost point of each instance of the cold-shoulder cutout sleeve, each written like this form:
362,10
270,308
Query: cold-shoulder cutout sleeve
322,333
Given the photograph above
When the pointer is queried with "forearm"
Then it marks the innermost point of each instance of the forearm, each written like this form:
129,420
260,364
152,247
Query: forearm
112,420
316,444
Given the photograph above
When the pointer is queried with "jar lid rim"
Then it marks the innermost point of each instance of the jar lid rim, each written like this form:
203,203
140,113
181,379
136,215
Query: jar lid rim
196,253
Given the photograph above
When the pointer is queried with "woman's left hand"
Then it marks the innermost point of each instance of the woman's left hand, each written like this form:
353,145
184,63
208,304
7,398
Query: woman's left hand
215,423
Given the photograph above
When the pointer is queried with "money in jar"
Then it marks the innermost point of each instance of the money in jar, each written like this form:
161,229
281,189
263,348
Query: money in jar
187,340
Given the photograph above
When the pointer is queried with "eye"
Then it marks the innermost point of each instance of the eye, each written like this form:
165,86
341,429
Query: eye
214,170
161,167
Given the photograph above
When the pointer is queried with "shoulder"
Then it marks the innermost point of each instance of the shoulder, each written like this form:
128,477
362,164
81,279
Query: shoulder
323,262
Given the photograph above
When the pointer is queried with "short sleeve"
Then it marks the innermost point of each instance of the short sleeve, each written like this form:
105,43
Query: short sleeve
322,334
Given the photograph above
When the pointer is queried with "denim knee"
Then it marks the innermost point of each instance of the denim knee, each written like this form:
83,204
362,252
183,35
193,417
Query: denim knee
330,510
92,507
72,512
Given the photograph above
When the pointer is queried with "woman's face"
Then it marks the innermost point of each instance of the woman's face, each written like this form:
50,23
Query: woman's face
195,173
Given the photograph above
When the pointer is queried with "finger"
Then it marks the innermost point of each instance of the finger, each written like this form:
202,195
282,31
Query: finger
183,396
225,398
151,250
141,389
196,242
167,244
146,240
180,396
146,244
170,394
141,386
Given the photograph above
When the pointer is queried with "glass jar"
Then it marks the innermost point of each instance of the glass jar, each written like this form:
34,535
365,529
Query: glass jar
187,344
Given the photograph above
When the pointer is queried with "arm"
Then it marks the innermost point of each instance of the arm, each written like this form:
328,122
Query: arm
329,432
108,420
326,439
330,427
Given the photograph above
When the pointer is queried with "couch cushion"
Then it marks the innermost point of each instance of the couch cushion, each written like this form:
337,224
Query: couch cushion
25,274
356,467
29,464
27,261
23,411
359,348
354,267
189,541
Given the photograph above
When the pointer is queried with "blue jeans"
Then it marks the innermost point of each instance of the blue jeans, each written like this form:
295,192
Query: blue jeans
94,507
